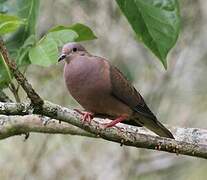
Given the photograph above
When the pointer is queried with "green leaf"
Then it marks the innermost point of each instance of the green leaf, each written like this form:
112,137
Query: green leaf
62,36
45,52
23,53
5,76
9,23
84,32
27,9
156,23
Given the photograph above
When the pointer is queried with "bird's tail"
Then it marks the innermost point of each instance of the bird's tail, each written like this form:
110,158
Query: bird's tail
155,126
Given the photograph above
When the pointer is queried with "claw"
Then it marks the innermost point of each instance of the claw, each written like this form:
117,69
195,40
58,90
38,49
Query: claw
114,122
86,116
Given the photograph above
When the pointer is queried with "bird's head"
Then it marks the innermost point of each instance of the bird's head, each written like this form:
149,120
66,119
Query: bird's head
70,49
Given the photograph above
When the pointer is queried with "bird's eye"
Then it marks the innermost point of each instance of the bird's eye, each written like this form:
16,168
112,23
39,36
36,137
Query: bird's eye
74,49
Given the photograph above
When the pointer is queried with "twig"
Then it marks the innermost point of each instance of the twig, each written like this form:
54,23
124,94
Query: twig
36,100
24,71
14,92
188,141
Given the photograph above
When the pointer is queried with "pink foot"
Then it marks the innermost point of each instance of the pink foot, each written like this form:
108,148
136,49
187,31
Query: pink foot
114,122
86,116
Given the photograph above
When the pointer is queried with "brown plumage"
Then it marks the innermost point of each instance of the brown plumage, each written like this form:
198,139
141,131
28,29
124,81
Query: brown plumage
103,90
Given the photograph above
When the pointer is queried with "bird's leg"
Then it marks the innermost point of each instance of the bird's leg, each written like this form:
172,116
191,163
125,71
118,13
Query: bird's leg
86,116
115,121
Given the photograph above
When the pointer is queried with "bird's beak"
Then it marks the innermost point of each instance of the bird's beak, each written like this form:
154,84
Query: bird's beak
62,57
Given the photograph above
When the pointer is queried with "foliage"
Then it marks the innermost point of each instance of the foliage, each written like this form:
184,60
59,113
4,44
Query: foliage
23,45
9,23
155,22
45,52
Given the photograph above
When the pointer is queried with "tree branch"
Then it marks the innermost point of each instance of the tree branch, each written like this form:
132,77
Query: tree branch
17,125
36,100
189,141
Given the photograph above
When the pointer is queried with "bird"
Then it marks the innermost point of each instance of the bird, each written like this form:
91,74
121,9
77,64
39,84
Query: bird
103,91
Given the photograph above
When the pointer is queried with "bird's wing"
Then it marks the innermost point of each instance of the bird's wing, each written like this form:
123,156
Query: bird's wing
125,92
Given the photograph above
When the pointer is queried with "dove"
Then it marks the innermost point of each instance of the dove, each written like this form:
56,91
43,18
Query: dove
103,91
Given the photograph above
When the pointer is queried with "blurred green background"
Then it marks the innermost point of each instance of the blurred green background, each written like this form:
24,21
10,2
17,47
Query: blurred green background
177,96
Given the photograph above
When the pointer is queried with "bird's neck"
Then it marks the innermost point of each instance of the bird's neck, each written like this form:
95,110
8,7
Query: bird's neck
76,55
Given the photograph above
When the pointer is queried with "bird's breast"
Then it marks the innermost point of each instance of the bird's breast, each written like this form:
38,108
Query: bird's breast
87,80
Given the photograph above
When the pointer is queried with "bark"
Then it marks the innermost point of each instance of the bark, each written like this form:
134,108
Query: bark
188,141
17,125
